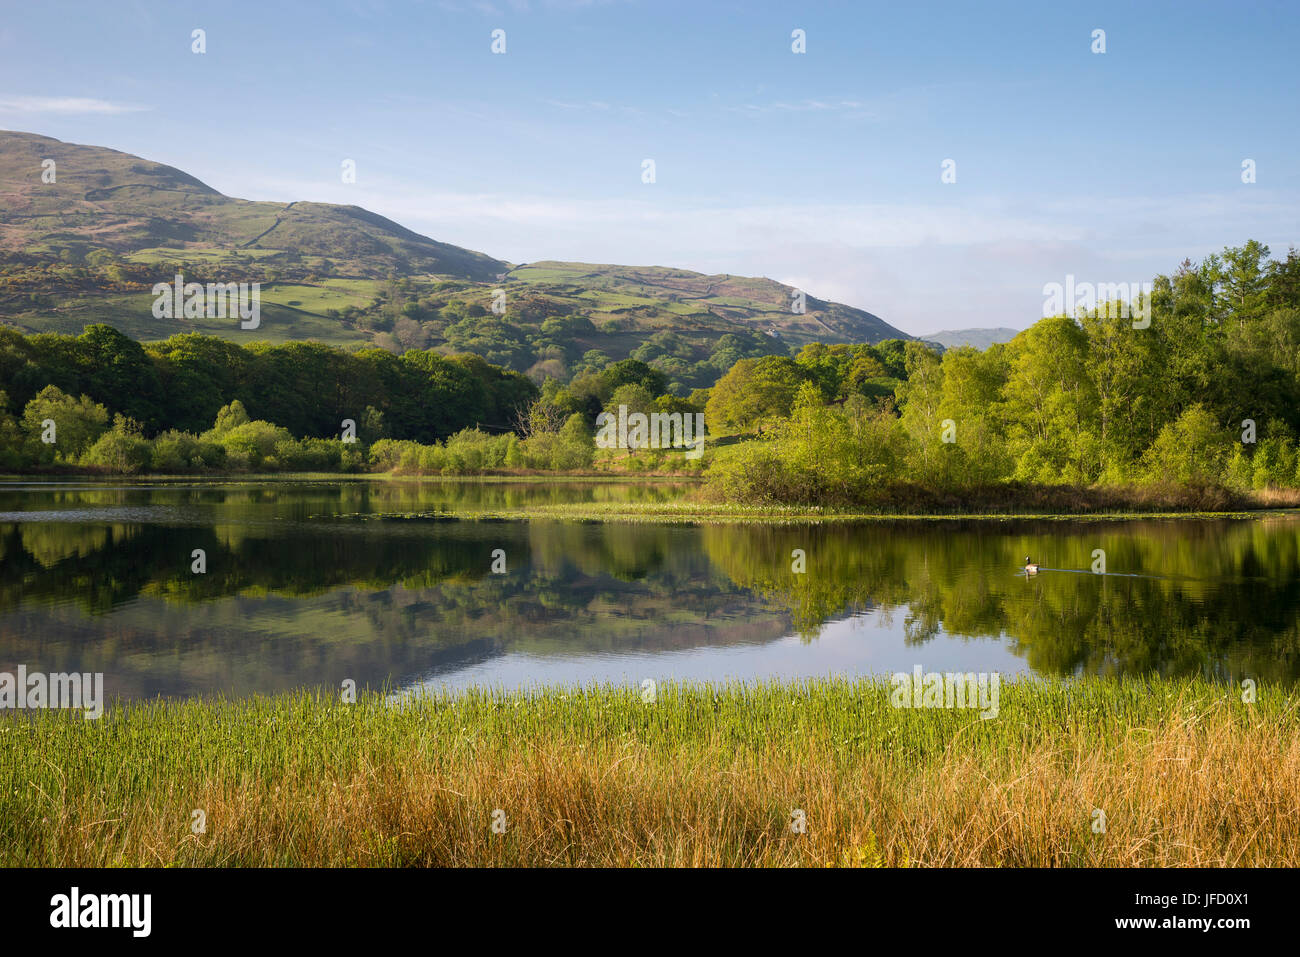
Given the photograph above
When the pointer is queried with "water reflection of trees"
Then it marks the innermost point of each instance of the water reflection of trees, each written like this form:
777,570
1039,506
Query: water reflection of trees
239,499
1216,596
1220,597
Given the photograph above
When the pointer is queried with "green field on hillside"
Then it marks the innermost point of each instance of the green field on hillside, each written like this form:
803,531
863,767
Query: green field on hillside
87,248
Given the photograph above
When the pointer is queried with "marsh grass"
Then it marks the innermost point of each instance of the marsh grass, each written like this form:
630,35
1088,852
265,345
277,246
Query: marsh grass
707,775
691,512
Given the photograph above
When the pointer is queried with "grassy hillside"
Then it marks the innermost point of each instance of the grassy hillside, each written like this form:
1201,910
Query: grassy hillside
291,312
653,297
90,246
146,212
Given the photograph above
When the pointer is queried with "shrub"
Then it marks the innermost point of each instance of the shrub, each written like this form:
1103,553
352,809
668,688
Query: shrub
78,424
1192,450
386,454
573,448
182,452
309,455
472,450
121,449
253,444
1275,463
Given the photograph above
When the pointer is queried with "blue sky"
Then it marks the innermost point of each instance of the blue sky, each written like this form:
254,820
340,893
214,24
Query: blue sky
819,169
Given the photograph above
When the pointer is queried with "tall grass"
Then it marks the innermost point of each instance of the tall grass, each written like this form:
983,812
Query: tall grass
1185,773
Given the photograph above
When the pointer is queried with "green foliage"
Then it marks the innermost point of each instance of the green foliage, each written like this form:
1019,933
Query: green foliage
121,449
829,454
1091,400
177,451
754,393
573,447
892,354
633,372
1274,463
1189,451
1050,405
473,452
499,342
733,347
306,387
253,445
75,425
310,455
1086,400
634,397
229,417
844,370
11,438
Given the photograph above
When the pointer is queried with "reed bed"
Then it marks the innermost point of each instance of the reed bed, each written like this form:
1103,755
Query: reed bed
694,512
706,775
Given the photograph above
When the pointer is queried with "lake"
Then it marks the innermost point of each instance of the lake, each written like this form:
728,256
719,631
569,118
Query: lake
312,583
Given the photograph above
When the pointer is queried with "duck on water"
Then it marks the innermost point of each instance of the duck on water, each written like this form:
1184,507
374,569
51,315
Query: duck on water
1031,567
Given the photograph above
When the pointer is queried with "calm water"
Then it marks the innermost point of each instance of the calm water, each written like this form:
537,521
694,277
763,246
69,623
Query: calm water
308,584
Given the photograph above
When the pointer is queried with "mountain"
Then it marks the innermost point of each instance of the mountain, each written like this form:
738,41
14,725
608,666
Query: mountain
978,338
89,247
103,199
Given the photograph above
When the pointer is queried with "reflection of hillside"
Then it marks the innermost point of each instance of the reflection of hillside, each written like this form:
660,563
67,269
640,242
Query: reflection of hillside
313,604
263,645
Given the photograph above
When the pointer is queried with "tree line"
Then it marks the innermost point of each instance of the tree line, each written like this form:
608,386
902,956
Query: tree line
1206,394
307,388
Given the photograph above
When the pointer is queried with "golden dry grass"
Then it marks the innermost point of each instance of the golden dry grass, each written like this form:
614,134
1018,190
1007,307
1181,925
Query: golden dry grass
1186,774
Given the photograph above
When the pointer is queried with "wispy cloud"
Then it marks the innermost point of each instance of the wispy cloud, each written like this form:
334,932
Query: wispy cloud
66,105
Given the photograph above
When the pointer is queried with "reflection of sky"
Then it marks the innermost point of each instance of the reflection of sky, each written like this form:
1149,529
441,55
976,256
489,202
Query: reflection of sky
867,644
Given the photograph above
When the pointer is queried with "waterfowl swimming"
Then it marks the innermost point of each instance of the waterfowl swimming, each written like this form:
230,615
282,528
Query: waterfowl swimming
1031,568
